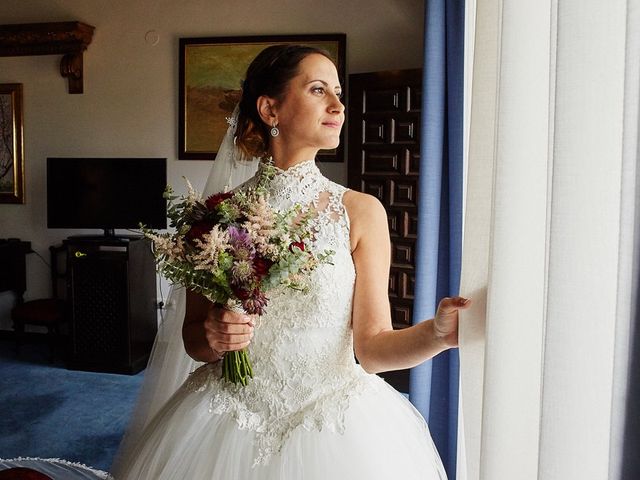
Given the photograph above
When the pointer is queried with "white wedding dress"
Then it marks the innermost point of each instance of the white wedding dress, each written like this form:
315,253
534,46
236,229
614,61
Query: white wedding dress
310,412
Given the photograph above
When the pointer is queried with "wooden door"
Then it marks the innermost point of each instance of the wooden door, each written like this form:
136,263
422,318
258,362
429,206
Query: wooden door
384,159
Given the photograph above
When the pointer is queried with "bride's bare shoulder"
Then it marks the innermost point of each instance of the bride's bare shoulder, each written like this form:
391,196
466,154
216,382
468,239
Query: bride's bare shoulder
359,203
366,215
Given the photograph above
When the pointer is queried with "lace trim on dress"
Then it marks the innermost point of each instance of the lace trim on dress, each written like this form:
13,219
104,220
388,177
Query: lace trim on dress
274,409
58,461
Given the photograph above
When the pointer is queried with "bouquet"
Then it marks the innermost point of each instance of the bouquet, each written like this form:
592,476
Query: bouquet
233,248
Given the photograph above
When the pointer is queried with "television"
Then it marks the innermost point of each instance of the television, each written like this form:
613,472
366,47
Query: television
106,193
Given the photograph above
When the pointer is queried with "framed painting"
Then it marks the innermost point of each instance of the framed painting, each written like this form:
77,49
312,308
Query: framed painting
11,147
210,75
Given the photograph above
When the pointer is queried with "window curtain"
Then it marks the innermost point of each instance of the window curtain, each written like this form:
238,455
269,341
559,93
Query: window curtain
550,240
434,384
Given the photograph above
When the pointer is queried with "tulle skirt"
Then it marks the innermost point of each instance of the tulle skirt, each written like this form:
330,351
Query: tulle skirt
384,438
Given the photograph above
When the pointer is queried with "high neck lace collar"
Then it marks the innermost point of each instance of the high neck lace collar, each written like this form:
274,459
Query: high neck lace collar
302,183
297,171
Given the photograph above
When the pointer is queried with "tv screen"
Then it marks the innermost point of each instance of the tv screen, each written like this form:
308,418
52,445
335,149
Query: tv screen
106,193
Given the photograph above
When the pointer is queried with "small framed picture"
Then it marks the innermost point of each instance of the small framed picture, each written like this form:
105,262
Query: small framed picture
211,71
11,144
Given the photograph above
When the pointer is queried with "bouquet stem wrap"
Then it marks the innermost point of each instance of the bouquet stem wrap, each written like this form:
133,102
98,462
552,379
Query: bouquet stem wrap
236,365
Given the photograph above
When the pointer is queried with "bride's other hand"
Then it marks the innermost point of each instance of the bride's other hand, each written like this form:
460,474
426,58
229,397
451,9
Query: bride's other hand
226,330
445,323
378,347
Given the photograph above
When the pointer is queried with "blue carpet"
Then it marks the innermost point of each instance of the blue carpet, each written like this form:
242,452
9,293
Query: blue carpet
48,411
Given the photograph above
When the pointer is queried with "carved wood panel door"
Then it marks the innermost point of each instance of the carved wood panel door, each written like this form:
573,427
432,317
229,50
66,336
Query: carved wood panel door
384,158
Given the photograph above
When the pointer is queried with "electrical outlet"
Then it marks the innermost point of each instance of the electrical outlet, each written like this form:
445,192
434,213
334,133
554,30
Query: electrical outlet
164,305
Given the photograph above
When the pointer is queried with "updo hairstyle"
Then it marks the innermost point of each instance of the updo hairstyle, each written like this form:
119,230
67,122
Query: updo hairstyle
269,74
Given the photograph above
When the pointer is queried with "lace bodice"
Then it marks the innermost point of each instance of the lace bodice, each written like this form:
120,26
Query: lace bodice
302,351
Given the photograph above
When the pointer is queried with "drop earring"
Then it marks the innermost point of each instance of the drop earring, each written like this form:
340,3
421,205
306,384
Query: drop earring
274,130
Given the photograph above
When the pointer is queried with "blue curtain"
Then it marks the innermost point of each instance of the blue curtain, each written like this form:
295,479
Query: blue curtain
434,385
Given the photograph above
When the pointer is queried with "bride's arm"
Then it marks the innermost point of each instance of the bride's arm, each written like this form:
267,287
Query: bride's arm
208,331
377,346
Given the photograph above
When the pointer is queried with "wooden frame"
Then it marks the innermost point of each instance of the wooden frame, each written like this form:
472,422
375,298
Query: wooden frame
211,70
11,144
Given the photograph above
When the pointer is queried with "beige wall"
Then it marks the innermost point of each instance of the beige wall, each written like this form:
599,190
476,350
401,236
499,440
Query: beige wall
129,107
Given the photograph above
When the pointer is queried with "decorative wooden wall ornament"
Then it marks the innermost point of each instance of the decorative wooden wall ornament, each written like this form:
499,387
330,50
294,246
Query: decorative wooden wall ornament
67,38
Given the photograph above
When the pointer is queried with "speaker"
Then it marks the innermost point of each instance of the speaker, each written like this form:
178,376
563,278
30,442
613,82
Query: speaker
112,289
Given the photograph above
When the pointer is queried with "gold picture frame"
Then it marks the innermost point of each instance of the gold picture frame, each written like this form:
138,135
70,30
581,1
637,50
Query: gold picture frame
11,144
210,73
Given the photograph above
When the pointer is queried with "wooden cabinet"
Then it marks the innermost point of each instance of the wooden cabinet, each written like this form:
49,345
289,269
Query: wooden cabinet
112,290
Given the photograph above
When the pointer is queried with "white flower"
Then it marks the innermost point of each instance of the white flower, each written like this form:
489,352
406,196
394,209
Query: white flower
193,195
209,247
167,246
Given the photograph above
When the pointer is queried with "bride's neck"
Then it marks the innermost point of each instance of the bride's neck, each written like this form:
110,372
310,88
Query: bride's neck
285,158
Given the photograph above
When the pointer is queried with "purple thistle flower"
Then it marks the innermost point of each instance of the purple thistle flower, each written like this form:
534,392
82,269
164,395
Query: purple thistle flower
241,271
240,242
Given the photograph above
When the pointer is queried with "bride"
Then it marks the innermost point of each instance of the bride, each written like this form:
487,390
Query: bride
311,411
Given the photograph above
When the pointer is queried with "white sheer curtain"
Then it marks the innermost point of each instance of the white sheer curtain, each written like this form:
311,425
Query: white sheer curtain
549,237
